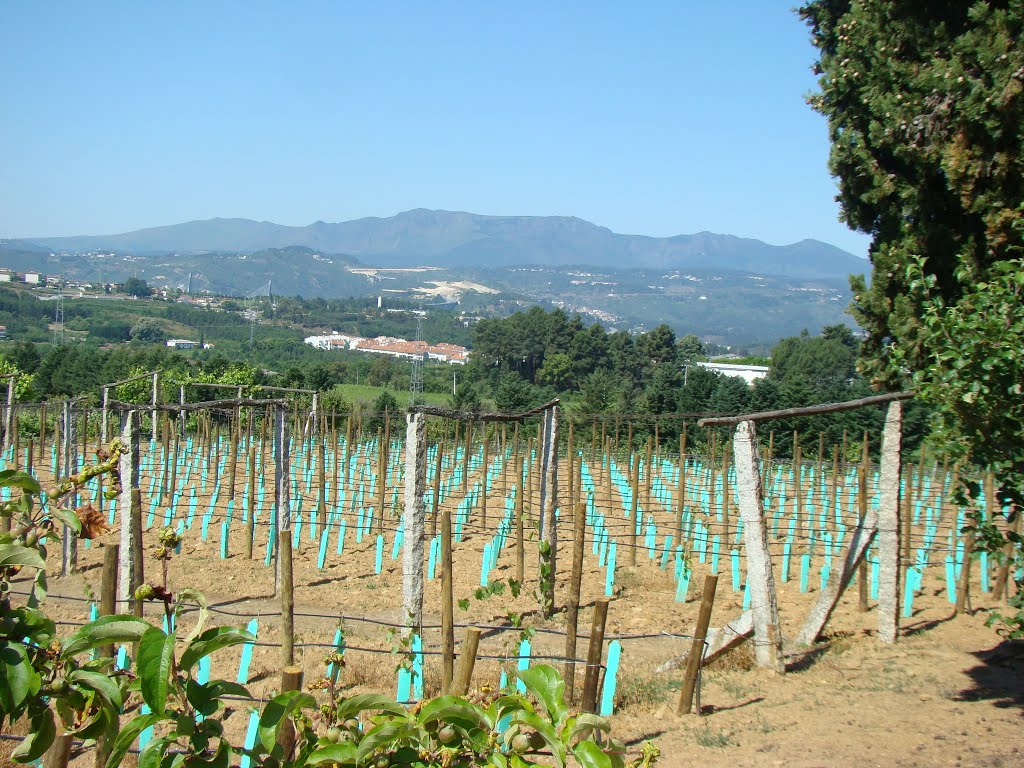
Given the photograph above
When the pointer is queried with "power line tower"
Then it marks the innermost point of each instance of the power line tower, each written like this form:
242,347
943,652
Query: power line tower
416,376
58,319
253,306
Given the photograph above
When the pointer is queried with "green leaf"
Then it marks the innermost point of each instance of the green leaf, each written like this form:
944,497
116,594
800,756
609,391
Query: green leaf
16,674
127,736
104,685
153,754
156,654
39,589
106,629
385,735
205,697
589,755
19,554
13,478
544,682
221,758
279,709
455,710
537,723
505,705
210,641
102,720
464,603
197,597
39,738
586,724
353,705
336,753
69,518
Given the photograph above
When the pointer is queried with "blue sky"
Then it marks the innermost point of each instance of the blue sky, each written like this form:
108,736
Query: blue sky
654,118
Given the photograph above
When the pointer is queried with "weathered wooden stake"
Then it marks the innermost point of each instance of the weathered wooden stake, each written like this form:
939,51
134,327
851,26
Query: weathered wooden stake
282,484
291,680
284,548
595,653
467,660
696,657
572,606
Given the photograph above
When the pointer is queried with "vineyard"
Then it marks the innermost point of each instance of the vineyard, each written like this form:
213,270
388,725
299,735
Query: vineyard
445,552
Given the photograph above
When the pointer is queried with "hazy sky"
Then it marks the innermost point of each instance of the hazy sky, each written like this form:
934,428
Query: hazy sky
654,118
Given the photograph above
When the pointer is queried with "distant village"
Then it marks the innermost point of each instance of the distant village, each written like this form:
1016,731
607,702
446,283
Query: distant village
452,354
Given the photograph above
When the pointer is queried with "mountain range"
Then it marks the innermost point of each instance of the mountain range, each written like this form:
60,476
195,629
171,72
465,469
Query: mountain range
459,239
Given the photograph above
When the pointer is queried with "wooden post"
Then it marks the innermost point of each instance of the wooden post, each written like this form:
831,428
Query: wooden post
250,526
726,501
282,484
483,479
572,606
167,461
634,506
173,460
467,660
382,473
681,487
291,680
889,526
69,451
1000,588
465,456
696,657
42,431
321,478
139,576
108,589
413,521
595,652
9,410
571,458
963,585
155,399
447,601
764,602
520,501
284,548
437,487
59,753
129,469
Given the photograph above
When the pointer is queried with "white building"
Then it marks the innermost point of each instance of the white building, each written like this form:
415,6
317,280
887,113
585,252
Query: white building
749,373
182,344
333,341
32,278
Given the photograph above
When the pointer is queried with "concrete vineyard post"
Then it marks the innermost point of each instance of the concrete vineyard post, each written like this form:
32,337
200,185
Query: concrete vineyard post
129,469
764,602
413,521
889,526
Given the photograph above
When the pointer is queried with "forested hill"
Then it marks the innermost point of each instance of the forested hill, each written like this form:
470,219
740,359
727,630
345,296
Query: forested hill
452,238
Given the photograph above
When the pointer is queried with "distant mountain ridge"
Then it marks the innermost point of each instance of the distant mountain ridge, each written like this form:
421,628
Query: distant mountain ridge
455,238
